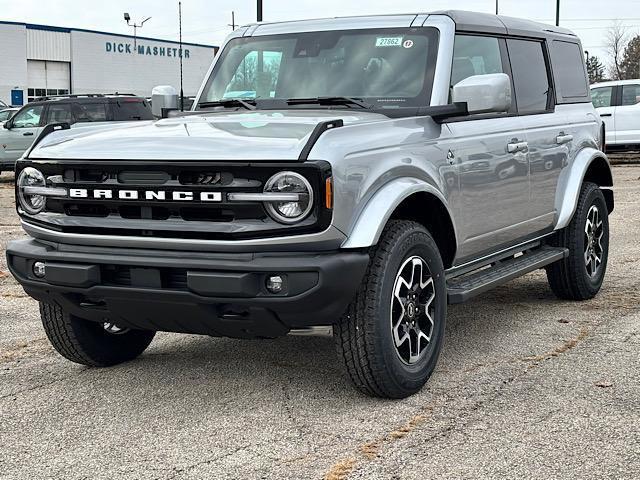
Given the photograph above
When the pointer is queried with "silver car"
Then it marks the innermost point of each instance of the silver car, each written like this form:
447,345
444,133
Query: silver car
357,173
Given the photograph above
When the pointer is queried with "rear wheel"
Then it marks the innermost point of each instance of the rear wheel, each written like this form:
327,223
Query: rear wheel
391,335
580,275
90,343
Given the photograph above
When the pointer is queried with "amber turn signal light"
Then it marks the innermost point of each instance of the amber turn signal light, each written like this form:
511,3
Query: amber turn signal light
328,188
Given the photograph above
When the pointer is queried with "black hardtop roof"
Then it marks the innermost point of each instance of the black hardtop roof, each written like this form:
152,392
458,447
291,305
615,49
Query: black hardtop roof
87,98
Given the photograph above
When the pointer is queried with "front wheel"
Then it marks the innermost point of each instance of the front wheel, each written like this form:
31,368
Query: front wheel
580,275
90,343
392,333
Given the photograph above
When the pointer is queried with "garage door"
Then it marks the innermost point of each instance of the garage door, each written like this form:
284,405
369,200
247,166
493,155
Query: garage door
47,78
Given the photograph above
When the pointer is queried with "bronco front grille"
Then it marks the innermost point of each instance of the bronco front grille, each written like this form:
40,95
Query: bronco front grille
151,207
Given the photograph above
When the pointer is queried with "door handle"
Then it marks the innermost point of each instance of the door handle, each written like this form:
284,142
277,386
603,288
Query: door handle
563,138
516,147
605,114
27,134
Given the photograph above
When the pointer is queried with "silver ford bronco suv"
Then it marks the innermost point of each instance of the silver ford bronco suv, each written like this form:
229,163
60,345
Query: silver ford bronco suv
359,173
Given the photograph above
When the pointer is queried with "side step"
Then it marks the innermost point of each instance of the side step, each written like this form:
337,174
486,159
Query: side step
460,289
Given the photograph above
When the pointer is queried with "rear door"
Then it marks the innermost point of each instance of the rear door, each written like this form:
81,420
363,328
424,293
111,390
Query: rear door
490,155
603,100
25,126
545,127
627,115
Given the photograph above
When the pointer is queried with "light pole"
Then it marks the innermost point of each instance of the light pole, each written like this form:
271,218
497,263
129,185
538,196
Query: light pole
497,7
127,18
557,13
259,10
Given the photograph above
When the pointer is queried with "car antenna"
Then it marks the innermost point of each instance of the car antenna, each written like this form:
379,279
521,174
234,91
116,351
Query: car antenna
181,55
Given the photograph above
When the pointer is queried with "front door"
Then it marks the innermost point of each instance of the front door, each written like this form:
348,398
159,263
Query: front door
23,129
490,155
603,100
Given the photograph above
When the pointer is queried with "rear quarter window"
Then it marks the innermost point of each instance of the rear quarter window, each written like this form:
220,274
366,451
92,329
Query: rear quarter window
567,62
130,109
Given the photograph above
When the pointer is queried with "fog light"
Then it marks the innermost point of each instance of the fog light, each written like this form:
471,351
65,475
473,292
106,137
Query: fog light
274,283
38,269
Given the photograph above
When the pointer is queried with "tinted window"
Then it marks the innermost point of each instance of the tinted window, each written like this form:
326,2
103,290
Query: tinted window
27,117
131,110
475,56
630,94
529,75
602,96
90,112
568,67
60,112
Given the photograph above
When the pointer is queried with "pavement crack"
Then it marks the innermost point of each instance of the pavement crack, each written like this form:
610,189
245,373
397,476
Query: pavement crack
559,350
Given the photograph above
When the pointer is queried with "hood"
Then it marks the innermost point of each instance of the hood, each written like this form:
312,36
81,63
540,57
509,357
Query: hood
264,135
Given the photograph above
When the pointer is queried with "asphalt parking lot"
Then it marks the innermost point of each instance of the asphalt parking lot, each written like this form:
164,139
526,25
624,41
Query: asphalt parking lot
527,387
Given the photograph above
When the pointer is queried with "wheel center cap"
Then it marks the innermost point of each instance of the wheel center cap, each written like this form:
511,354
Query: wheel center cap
411,309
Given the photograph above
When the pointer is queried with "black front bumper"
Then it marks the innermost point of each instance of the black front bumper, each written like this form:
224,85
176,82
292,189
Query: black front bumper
188,292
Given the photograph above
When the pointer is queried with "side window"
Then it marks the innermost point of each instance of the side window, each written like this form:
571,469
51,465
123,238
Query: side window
568,68
60,112
475,55
247,82
90,112
602,96
630,94
131,109
27,117
530,75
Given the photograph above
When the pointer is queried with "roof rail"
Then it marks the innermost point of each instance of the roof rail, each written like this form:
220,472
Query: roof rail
83,95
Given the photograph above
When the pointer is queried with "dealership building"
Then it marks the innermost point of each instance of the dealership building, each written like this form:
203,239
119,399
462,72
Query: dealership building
39,60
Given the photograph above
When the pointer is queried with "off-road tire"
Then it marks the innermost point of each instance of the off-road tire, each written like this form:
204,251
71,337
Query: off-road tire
87,343
568,278
363,336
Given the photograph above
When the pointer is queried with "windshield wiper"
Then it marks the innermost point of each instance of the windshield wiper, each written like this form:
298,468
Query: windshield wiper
330,101
230,102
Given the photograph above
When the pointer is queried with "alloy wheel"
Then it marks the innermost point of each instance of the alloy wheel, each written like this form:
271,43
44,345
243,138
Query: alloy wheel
593,233
412,309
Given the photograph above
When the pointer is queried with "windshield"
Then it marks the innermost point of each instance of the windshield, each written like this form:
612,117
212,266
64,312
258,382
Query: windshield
385,68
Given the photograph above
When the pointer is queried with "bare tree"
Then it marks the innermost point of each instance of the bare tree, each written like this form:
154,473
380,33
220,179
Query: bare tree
616,41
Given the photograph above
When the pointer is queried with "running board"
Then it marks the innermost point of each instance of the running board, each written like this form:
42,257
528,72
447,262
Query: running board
460,289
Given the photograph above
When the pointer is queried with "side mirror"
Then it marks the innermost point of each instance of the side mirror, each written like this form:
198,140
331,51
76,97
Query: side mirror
489,93
7,124
162,98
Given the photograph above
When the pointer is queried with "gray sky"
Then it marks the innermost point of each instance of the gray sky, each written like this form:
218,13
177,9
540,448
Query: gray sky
206,21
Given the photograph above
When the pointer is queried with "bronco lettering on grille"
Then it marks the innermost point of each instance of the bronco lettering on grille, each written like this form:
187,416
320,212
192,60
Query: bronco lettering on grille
176,196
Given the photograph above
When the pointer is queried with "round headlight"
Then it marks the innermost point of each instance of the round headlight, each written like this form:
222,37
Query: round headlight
289,211
30,177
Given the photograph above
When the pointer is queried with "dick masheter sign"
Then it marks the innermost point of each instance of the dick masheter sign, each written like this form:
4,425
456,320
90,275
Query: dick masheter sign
127,48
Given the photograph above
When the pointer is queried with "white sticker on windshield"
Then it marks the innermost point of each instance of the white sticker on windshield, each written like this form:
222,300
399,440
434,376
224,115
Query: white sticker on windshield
388,41
408,44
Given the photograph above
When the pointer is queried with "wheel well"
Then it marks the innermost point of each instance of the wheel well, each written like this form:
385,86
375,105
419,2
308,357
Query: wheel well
430,212
599,173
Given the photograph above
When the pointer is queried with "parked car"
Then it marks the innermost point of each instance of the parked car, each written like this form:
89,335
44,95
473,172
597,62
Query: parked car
7,113
17,134
618,103
402,163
